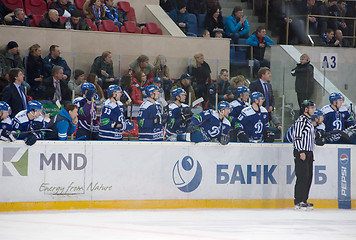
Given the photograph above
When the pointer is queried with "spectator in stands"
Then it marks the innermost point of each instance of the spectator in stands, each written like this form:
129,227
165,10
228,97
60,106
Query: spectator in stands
54,58
259,40
304,81
161,70
222,88
94,10
35,72
18,18
75,83
57,87
93,78
125,84
184,82
200,71
51,20
329,39
213,20
11,58
312,10
168,5
77,22
263,85
236,25
327,9
342,41
14,94
341,4
64,7
103,68
141,64
238,81
205,34
197,7
112,14
4,11
139,82
351,12
219,33
180,16
64,124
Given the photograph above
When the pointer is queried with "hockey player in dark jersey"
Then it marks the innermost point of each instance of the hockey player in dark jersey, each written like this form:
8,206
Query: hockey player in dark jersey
243,95
252,123
5,123
112,120
63,124
150,118
88,126
337,117
179,116
211,124
27,123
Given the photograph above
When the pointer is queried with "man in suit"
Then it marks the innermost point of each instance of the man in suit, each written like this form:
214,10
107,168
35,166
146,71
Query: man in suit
56,87
263,85
14,94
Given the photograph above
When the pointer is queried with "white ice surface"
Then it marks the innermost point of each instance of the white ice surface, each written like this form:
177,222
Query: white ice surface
187,224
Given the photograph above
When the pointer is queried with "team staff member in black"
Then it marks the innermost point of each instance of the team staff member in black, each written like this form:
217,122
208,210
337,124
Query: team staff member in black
303,155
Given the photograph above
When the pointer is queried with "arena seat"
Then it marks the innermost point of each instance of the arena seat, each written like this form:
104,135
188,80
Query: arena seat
63,19
79,5
193,24
35,7
108,26
201,19
151,28
133,132
36,19
91,24
13,4
130,27
130,11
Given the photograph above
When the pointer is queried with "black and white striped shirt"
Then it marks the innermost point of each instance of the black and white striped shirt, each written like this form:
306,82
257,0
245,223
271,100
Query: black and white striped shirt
303,134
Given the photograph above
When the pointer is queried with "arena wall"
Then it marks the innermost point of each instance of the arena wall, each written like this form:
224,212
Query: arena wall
136,175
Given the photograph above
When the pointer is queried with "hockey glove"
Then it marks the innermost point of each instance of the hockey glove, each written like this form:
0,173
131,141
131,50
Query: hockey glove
129,125
165,118
224,139
186,114
242,137
6,135
30,139
192,128
268,137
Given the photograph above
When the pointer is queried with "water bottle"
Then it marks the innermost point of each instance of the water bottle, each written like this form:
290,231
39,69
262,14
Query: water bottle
68,26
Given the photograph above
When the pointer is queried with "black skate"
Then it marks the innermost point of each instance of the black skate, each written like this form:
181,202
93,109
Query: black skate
301,206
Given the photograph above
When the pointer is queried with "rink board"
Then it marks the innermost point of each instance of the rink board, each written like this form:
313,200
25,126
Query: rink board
136,175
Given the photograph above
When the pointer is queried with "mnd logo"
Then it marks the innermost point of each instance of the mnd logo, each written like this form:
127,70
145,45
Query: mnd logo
15,162
187,174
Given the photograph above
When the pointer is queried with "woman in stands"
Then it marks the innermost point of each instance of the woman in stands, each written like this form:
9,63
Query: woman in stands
214,20
200,71
94,10
141,64
160,69
139,82
93,78
35,72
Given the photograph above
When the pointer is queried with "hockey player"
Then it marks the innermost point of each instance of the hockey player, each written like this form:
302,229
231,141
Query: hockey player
252,123
150,118
211,124
28,122
88,126
243,95
63,124
179,116
337,117
5,123
112,120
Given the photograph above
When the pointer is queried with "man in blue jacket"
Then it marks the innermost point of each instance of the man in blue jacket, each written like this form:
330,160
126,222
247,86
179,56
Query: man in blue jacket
180,16
54,58
259,40
236,25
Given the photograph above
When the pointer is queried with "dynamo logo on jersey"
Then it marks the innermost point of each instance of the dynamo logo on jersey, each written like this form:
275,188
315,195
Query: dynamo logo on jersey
14,162
187,174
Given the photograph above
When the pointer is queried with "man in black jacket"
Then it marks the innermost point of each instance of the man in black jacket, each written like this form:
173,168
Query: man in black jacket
56,87
51,20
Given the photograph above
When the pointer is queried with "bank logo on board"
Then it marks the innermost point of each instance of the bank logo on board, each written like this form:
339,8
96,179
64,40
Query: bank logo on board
187,174
14,162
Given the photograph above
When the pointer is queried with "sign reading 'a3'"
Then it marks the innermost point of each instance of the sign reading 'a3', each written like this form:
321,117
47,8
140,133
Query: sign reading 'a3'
328,61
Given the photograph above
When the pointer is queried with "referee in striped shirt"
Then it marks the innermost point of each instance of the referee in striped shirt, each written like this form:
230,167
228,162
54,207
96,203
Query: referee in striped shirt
303,155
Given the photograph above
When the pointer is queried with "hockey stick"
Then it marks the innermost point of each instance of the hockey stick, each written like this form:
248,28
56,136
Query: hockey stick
91,118
196,102
164,104
131,106
37,130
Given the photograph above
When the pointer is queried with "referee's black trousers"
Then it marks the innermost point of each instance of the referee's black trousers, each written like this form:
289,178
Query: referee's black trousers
304,174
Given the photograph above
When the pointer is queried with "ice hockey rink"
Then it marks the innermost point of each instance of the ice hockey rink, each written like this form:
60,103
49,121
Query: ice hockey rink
187,224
